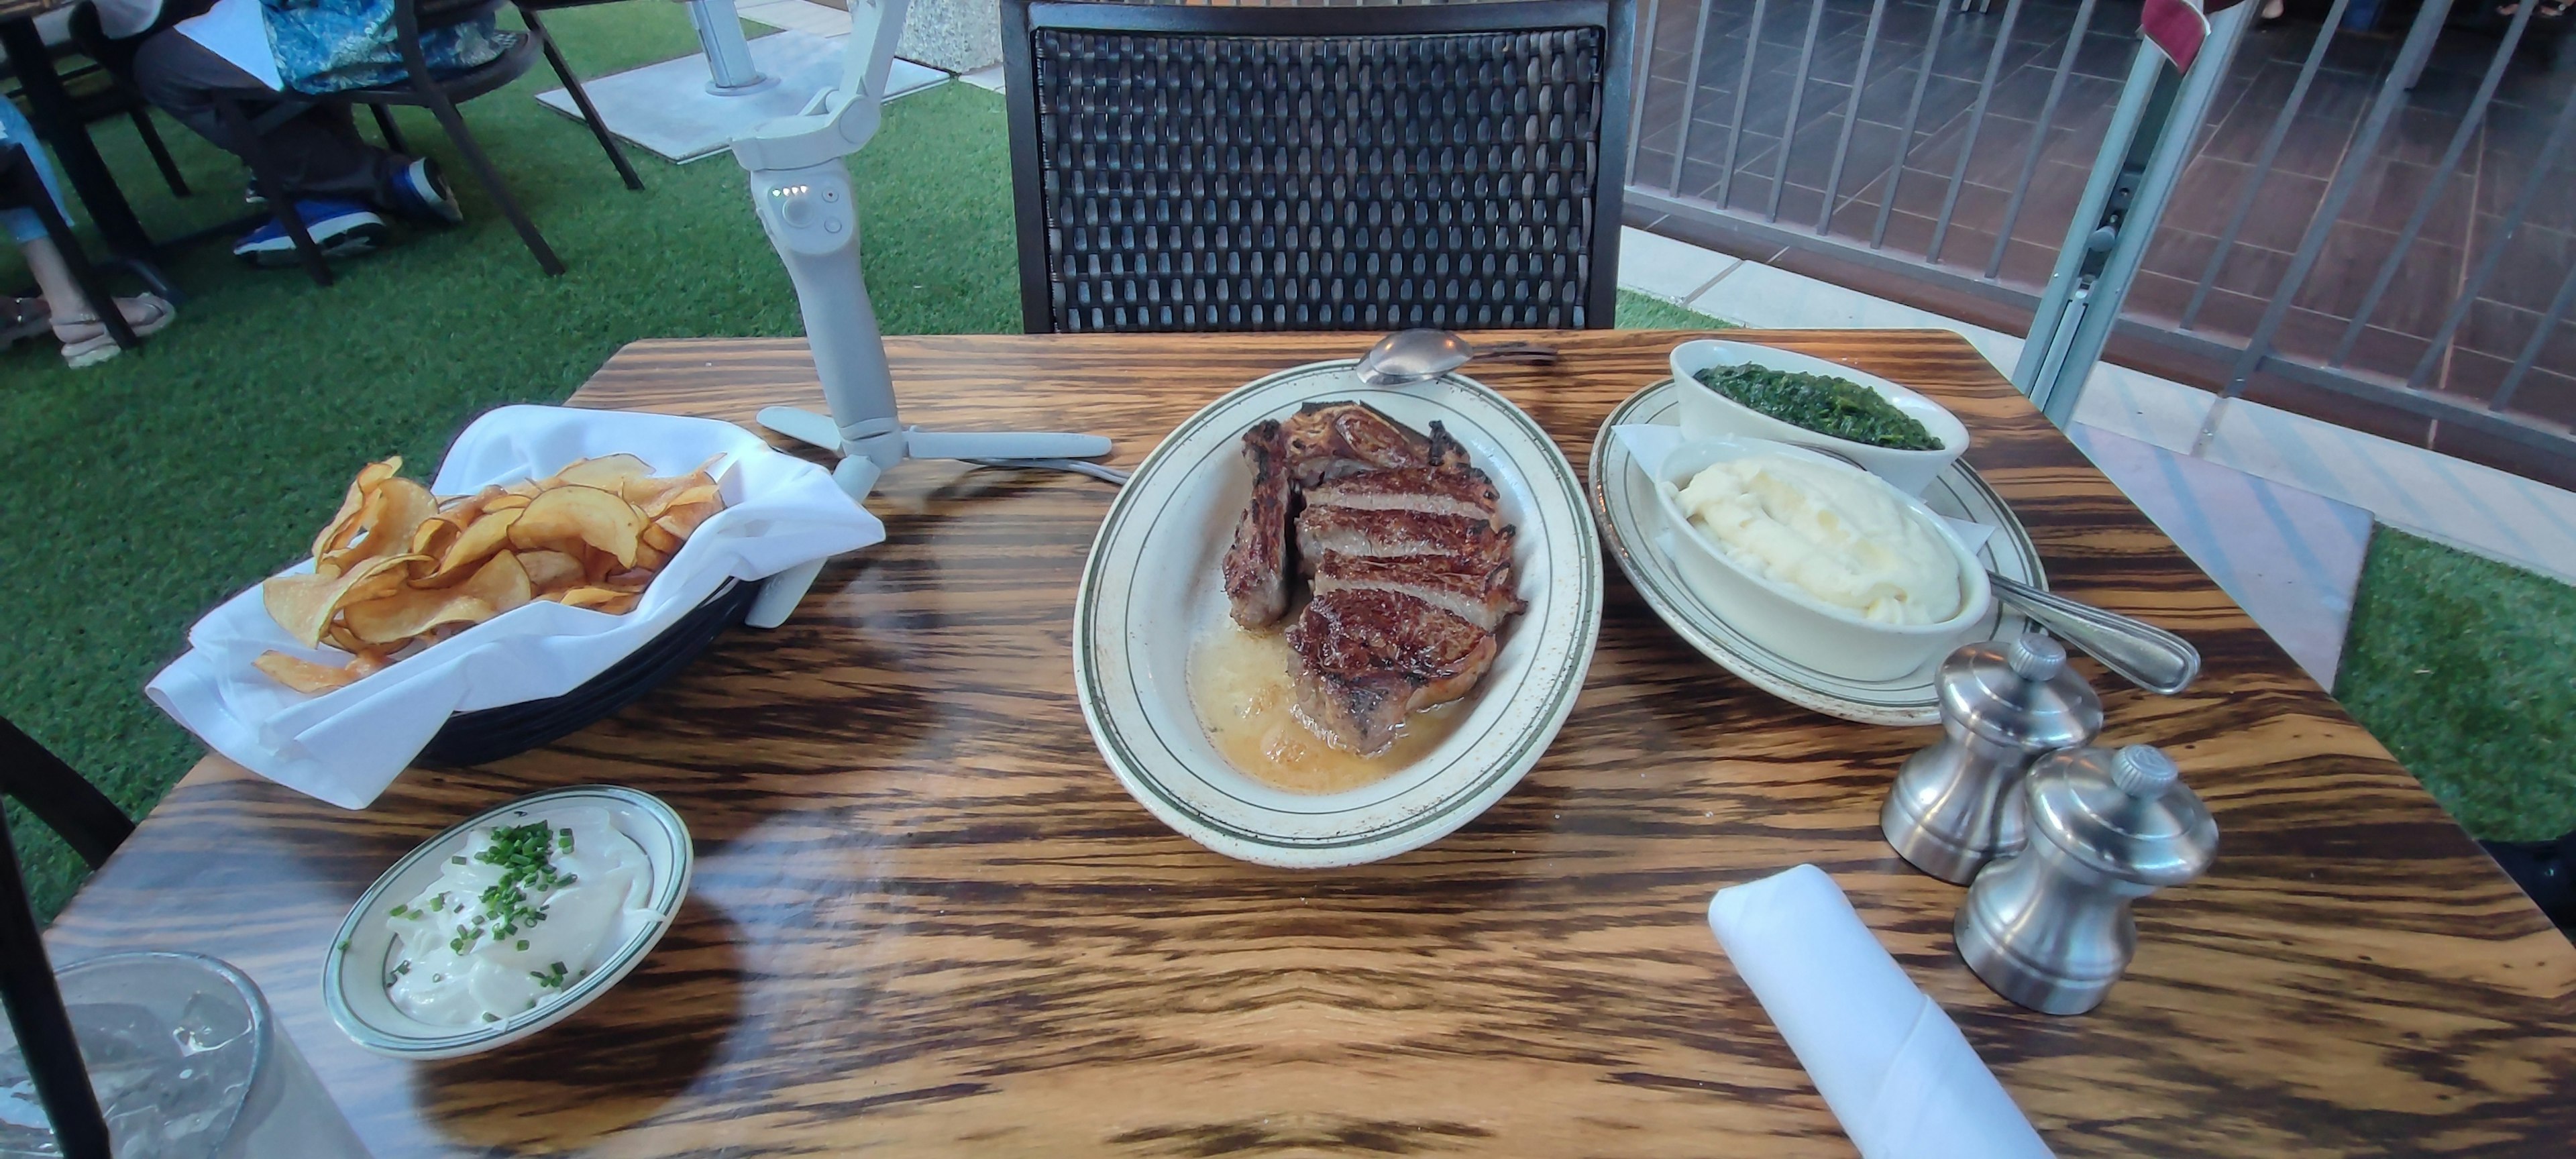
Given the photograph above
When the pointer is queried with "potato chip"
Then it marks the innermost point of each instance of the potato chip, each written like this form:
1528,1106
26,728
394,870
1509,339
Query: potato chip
610,473
575,514
395,509
551,570
304,604
343,525
301,674
506,503
613,601
488,536
498,586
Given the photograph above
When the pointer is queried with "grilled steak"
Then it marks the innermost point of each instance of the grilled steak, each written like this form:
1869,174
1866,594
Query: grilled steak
1256,567
1382,533
1479,594
1327,440
1443,490
1370,658
1412,567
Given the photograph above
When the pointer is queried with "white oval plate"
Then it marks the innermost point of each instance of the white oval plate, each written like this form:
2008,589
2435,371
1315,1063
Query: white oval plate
1153,584
1630,521
353,972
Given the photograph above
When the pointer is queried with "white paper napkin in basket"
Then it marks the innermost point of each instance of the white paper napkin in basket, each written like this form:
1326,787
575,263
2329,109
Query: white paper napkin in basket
1888,1060
346,745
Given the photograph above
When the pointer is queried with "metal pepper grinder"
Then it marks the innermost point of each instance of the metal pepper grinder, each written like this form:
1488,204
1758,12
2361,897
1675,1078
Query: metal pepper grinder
2051,928
2002,706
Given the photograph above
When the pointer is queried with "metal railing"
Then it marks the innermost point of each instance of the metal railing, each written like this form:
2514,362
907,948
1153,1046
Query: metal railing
2385,214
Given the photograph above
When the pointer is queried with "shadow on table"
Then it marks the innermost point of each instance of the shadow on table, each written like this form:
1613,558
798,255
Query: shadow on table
618,1062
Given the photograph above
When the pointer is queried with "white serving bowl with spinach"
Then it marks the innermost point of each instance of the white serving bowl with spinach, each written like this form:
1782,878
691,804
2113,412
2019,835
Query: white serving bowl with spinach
1858,404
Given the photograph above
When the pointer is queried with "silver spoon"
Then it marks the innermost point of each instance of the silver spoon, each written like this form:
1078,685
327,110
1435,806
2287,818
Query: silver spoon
1415,355
2144,654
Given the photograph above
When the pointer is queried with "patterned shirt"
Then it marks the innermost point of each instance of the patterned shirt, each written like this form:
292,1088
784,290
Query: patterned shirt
327,46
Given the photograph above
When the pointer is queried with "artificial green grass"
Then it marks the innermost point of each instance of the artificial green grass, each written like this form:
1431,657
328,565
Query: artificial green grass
2466,669
1644,312
144,491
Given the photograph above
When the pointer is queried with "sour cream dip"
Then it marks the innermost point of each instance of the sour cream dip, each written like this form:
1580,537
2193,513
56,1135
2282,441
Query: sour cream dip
1836,534
518,915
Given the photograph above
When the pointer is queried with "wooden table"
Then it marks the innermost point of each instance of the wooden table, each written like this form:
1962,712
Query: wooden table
926,917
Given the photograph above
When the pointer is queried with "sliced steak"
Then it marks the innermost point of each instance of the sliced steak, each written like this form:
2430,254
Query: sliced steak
1369,658
1443,490
1477,593
1468,543
1327,440
1256,567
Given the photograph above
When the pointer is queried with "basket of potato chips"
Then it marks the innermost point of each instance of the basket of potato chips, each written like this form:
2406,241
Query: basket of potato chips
560,564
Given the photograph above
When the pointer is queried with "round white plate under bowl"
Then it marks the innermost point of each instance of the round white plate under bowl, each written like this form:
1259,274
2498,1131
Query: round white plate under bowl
1631,519
354,972
1153,585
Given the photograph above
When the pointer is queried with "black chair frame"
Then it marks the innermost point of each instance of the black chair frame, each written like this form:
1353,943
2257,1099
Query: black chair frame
1022,19
94,827
21,188
119,98
423,88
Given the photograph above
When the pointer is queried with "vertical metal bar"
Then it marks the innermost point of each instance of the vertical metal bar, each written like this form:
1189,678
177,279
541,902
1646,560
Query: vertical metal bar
1797,101
1913,110
2538,179
1644,80
2150,162
1743,88
1976,121
2392,92
2263,159
2539,338
42,1025
2039,136
1851,117
1690,97
2460,138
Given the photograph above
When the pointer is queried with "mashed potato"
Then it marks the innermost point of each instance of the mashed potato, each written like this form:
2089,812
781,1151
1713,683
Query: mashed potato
1829,531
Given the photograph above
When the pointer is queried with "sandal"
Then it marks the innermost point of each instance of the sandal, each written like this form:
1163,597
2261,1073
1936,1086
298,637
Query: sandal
23,318
86,342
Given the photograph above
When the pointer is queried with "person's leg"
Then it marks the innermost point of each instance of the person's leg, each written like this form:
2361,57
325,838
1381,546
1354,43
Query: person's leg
316,154
75,324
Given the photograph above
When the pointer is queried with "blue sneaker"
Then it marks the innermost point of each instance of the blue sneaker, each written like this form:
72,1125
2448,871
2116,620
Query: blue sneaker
340,228
420,192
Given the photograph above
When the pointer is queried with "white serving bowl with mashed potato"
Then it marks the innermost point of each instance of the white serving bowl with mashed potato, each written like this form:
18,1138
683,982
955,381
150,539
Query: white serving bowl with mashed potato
1824,563
507,923
1707,413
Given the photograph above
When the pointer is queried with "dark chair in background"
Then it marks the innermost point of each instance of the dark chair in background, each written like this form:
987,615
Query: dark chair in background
21,188
99,94
1189,168
252,112
94,827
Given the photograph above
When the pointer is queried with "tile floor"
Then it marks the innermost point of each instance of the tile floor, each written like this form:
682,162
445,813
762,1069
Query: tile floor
2277,510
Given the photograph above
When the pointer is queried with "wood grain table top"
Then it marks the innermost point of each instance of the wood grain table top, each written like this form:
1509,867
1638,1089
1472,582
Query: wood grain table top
926,918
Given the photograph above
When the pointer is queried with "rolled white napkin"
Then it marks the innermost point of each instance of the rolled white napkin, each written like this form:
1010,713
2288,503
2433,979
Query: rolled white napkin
346,745
1889,1062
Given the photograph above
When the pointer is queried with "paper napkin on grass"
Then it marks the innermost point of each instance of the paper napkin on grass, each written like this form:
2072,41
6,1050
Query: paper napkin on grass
346,745
1888,1060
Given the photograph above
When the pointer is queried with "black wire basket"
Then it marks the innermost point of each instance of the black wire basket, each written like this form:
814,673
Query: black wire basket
489,734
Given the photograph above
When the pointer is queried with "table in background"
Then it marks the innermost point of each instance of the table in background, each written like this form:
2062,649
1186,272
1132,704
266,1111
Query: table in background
926,917
50,109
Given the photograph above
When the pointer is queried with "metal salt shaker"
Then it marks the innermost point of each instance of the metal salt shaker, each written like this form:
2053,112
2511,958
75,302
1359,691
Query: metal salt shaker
2051,928
2003,705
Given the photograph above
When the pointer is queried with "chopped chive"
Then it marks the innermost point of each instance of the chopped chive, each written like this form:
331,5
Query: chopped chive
523,943
488,1016
459,859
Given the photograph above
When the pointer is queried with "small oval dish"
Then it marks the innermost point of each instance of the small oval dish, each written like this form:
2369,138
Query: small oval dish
356,972
1708,413
1154,583
1798,626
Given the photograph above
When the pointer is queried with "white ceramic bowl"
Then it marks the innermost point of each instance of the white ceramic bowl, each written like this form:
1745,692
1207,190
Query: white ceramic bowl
1798,626
1153,585
1706,413
353,972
